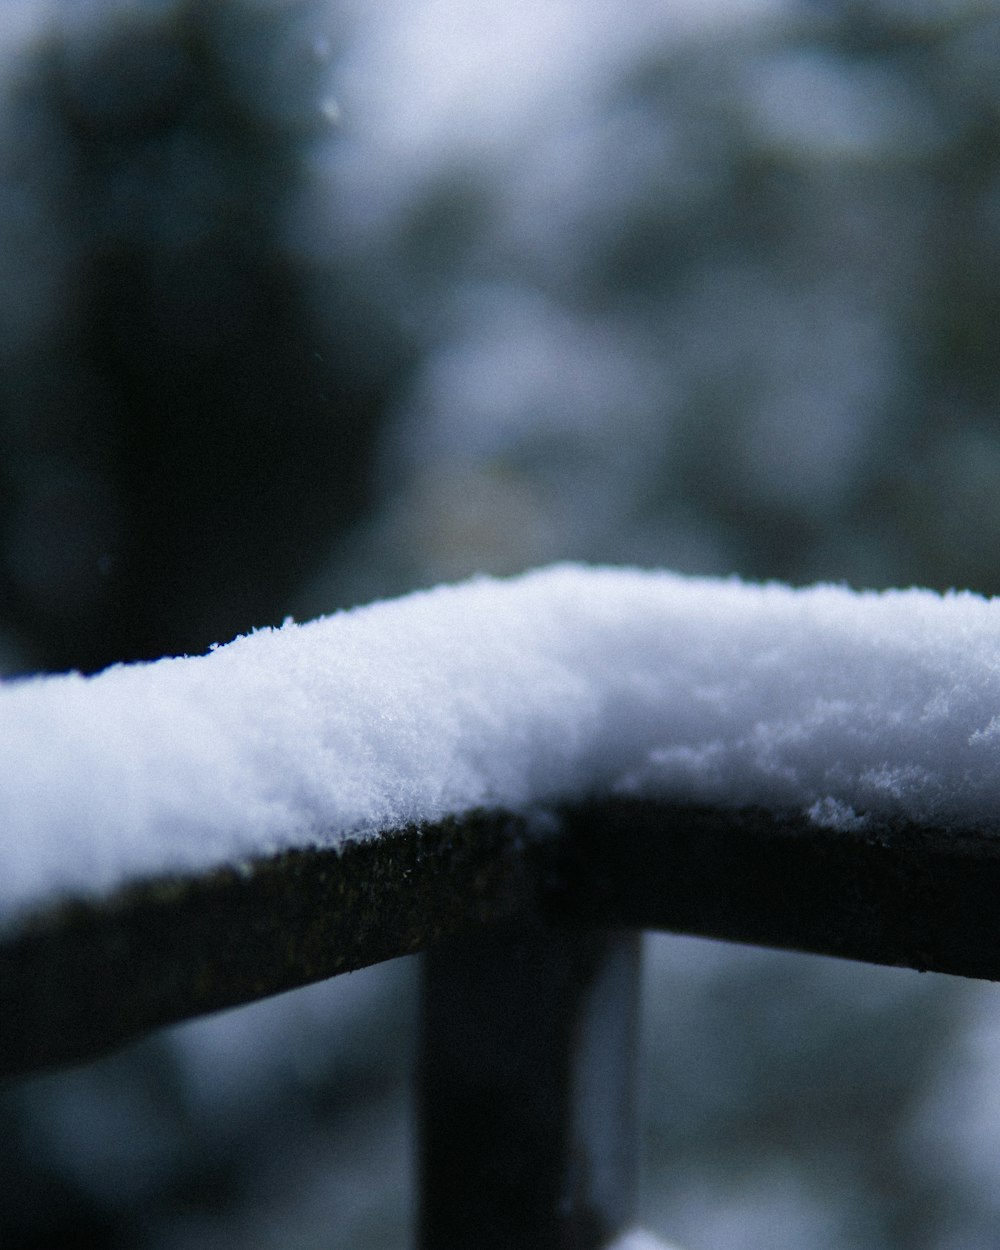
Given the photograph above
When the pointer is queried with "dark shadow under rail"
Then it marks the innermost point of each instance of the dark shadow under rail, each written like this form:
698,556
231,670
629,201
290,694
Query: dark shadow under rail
83,977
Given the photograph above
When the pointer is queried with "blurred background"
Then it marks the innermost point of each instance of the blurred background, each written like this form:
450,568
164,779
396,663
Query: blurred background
306,303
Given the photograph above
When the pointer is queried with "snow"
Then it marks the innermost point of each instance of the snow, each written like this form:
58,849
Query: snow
638,1239
513,693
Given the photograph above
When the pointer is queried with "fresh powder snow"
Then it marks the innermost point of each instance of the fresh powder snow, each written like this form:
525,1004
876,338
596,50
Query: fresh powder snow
516,694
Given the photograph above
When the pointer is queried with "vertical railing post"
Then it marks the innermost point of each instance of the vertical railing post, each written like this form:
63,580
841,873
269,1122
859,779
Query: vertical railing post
527,1091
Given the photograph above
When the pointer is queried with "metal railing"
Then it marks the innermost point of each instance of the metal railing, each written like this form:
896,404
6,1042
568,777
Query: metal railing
531,928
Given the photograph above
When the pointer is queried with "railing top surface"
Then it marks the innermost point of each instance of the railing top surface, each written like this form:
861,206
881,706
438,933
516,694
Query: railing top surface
503,693
82,977
860,722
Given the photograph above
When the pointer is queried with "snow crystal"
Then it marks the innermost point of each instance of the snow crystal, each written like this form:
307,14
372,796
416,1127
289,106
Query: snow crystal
504,693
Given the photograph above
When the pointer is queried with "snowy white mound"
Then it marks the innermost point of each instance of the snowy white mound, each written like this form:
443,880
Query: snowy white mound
555,685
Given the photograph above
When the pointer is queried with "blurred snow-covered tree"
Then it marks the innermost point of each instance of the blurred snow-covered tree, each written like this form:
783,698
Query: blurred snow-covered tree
181,432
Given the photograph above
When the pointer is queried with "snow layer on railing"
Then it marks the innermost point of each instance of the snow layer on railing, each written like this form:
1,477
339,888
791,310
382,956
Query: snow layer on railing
518,693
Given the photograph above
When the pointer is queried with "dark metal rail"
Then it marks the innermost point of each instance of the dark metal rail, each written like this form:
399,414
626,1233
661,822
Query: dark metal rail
81,978
531,984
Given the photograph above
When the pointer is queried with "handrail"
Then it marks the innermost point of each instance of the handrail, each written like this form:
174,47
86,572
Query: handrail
82,977
527,1076
884,892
